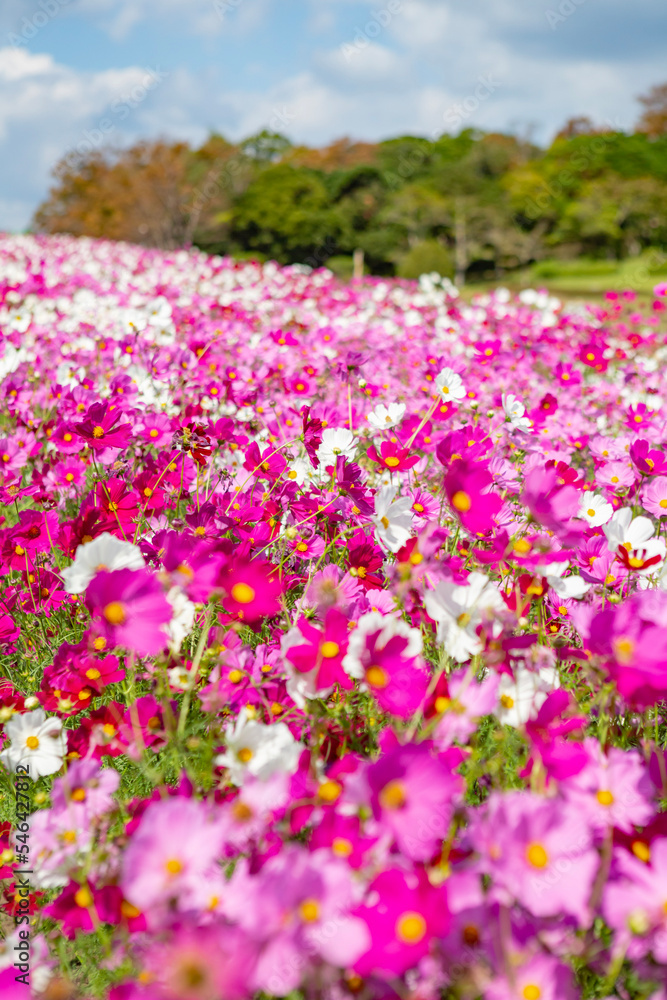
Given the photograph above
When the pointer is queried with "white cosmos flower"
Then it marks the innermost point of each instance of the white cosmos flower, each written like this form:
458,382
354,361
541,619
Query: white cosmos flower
449,384
595,509
184,617
458,609
625,530
388,627
522,696
36,742
256,749
384,417
514,411
336,441
393,518
106,552
566,587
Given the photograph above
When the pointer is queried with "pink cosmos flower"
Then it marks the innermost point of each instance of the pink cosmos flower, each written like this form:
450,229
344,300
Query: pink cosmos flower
560,757
103,427
171,857
542,977
322,653
392,457
467,485
128,608
404,913
634,902
412,795
654,496
300,903
538,852
464,705
199,963
612,789
251,590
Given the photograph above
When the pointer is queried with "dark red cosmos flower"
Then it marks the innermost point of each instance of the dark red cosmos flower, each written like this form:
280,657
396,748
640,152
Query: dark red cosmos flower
83,907
196,442
636,559
102,427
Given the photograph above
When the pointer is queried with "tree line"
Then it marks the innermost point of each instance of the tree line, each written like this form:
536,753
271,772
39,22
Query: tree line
476,204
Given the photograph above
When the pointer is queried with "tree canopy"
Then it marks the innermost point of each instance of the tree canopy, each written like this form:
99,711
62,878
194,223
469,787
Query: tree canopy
473,203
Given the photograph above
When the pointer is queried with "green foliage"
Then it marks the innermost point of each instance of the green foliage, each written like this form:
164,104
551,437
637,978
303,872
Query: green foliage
425,257
492,203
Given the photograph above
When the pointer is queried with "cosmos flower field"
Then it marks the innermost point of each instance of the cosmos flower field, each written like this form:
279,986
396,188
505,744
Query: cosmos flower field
333,634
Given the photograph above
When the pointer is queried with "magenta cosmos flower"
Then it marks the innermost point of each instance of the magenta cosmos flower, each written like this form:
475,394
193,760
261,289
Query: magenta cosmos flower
405,914
129,608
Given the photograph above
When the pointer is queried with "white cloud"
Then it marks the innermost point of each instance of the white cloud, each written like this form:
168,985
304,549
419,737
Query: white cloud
370,64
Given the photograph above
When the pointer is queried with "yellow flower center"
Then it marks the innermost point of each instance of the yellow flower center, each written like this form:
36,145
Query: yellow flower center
243,593
309,910
173,866
506,701
128,910
341,847
461,501
79,795
463,619
235,676
32,743
641,851
329,791
531,992
591,512
114,613
377,677
537,856
663,503
329,650
392,795
93,674
604,797
244,754
392,461
98,431
410,928
83,897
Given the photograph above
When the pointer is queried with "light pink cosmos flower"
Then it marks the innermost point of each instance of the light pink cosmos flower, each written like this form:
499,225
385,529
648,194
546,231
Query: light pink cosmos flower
654,496
201,963
171,856
540,978
468,701
538,852
635,902
299,904
612,789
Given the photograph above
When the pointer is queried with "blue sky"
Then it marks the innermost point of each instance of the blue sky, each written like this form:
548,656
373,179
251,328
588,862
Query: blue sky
74,72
